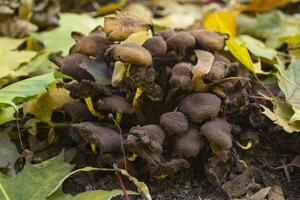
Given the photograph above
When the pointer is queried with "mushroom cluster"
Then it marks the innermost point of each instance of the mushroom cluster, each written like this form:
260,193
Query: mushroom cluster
165,100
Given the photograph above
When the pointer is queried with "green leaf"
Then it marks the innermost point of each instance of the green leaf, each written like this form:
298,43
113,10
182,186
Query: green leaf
94,195
11,58
18,92
281,116
141,186
59,39
6,115
98,70
289,83
35,182
271,26
258,48
8,151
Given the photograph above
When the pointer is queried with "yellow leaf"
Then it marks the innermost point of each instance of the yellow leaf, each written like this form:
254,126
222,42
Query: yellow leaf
241,53
222,21
45,103
264,5
294,39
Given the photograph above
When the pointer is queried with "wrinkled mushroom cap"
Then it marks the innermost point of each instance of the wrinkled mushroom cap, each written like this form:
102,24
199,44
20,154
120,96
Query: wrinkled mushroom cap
175,123
121,26
131,53
209,40
188,145
218,132
115,104
180,41
200,106
105,138
156,45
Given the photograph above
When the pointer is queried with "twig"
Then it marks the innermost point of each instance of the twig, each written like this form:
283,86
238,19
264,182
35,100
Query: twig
122,186
4,192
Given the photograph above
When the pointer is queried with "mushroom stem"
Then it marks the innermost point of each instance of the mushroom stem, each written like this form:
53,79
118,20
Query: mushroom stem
118,117
248,146
94,147
138,93
132,157
90,106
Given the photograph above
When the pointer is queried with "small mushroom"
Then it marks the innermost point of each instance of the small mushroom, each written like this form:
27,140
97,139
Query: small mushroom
166,34
106,139
181,76
188,145
78,111
209,40
180,41
200,106
175,123
151,135
218,133
130,53
156,45
119,28
70,65
115,104
95,44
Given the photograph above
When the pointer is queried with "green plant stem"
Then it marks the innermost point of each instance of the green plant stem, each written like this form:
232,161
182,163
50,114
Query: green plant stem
4,192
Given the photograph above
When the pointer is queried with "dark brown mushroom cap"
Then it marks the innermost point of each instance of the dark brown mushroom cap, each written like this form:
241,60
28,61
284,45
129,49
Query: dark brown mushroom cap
105,138
151,135
180,41
200,106
131,53
78,111
119,28
175,123
114,104
218,132
156,45
69,65
166,33
188,145
94,44
181,76
209,40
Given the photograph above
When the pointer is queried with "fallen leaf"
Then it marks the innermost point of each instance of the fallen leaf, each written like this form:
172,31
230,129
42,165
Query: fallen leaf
59,39
6,115
20,91
276,193
175,15
141,186
292,39
43,178
93,195
264,5
257,47
8,151
261,194
289,83
270,26
98,70
46,102
281,116
204,63
225,22
11,58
